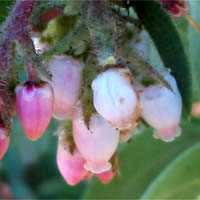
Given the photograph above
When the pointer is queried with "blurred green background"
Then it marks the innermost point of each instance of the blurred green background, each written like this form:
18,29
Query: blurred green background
149,169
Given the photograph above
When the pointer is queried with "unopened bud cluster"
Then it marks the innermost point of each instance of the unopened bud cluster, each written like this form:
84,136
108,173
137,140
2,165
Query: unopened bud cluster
97,108
119,105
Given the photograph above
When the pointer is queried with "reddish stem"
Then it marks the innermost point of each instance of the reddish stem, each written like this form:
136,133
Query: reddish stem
32,74
17,28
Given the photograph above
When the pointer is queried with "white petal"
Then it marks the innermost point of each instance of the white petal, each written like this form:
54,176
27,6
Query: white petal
115,98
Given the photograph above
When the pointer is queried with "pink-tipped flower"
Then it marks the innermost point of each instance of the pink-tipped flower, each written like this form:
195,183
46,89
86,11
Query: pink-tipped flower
34,104
161,108
71,165
66,83
98,144
106,177
115,98
4,141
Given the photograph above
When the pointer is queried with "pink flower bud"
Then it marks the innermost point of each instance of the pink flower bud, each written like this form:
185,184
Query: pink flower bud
106,177
115,98
66,83
4,141
71,165
98,144
161,108
34,107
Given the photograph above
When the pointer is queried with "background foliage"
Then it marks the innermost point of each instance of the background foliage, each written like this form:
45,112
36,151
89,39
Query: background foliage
149,169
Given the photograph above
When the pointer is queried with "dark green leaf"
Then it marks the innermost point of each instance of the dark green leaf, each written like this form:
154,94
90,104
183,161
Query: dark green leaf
5,6
58,189
169,45
194,49
180,180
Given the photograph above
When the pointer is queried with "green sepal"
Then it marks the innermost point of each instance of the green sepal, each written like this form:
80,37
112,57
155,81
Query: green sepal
90,72
103,30
70,42
73,7
58,28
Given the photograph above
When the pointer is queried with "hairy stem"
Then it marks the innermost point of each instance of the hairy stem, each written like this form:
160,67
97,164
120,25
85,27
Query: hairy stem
17,27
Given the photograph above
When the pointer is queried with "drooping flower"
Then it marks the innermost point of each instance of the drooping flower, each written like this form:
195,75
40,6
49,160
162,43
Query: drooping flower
71,164
115,98
161,108
97,144
66,83
4,141
34,103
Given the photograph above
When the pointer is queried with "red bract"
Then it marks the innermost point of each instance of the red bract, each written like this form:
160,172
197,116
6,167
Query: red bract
176,8
50,14
34,107
4,141
179,8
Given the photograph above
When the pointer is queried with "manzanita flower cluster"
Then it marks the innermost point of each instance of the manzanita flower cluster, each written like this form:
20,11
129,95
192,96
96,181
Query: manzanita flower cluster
118,104
98,105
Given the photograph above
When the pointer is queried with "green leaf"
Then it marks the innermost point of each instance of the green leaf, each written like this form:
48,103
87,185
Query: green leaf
167,40
73,7
14,167
5,6
57,188
47,142
22,152
180,180
141,162
194,49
